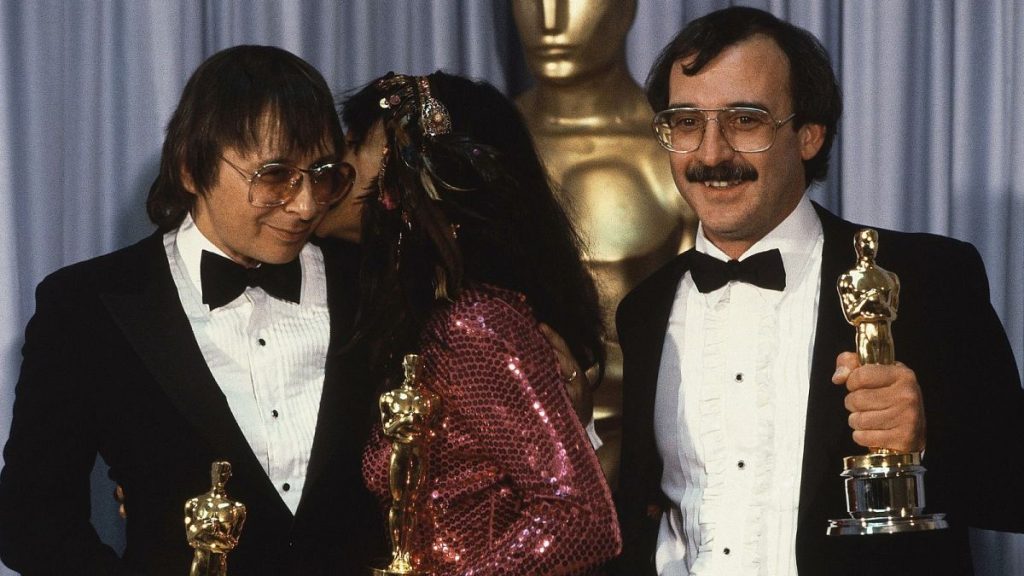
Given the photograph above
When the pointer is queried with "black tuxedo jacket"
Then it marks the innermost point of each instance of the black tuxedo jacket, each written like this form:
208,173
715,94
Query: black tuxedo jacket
111,367
946,331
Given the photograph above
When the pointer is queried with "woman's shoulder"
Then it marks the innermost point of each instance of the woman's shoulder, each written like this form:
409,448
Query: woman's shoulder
490,297
485,310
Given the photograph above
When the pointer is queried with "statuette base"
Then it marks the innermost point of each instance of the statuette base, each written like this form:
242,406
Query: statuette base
886,525
885,495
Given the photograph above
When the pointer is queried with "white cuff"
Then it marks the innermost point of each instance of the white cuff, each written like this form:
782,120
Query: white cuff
595,440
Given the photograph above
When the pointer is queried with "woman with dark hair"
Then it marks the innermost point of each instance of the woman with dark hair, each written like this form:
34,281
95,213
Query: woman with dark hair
465,250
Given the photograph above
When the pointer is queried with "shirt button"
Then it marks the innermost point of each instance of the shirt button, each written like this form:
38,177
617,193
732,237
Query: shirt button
739,376
262,342
274,413
740,465
726,551
286,487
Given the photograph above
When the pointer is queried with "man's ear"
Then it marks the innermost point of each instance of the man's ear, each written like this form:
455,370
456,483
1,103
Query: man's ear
811,136
186,180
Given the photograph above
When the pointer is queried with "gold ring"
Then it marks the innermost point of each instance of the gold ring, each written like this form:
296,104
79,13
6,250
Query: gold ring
572,376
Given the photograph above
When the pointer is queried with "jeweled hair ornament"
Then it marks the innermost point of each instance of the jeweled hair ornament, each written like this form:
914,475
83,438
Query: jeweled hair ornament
426,161
434,118
419,126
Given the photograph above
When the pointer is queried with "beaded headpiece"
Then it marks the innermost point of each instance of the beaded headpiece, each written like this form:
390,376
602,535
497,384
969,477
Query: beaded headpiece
425,161
418,131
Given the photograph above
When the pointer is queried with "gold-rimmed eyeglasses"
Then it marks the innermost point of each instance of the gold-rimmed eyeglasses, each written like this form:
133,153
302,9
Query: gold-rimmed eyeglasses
275,184
744,129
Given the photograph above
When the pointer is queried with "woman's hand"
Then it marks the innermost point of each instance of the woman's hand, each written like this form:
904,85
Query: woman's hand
576,381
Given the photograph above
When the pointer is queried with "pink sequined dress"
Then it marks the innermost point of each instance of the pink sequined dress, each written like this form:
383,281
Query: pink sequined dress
514,486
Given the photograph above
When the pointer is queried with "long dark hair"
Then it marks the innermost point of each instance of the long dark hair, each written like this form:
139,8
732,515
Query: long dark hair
471,203
229,100
813,85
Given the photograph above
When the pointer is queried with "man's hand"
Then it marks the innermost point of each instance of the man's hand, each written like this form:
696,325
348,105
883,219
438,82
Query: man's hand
885,404
576,381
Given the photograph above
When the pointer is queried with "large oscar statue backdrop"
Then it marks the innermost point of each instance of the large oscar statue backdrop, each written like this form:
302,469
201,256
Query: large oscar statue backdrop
592,126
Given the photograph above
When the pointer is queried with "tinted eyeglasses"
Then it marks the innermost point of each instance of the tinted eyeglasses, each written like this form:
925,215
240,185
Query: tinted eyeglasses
275,184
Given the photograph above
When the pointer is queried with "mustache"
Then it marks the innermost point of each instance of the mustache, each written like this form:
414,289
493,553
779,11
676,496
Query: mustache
725,172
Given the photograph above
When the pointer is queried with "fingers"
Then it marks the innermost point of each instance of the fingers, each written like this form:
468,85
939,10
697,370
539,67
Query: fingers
888,439
903,431
582,398
846,363
568,369
885,404
883,420
553,338
576,381
901,393
879,376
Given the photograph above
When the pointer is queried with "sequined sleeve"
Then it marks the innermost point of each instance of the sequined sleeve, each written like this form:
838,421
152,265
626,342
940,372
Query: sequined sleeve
517,486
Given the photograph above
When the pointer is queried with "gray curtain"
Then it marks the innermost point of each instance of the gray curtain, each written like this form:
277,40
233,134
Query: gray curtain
931,139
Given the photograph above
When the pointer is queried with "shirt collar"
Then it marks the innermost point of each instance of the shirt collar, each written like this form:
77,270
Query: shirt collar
795,237
191,244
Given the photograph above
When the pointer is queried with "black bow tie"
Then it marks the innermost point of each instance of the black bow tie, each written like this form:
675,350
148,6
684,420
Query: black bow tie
763,269
224,279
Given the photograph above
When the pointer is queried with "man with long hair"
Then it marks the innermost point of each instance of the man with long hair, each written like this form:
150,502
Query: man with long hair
209,340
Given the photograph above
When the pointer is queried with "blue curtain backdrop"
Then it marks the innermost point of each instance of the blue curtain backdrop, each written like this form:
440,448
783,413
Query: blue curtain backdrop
931,139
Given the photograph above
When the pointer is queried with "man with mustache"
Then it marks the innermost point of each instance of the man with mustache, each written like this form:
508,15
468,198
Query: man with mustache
215,338
741,395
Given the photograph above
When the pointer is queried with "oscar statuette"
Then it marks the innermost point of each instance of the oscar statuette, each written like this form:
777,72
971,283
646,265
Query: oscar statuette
884,488
213,523
407,413
591,123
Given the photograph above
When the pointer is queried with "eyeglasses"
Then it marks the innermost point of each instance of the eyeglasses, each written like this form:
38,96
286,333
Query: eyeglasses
744,129
276,184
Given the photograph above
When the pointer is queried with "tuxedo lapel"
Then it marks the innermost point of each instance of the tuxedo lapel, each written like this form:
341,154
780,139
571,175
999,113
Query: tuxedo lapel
827,437
648,323
151,315
642,323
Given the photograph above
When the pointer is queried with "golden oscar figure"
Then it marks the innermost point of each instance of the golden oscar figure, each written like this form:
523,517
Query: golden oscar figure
213,523
884,489
592,126
407,414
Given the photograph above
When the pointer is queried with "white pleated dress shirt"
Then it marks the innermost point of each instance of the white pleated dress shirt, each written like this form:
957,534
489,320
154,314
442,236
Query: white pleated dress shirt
267,356
730,412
